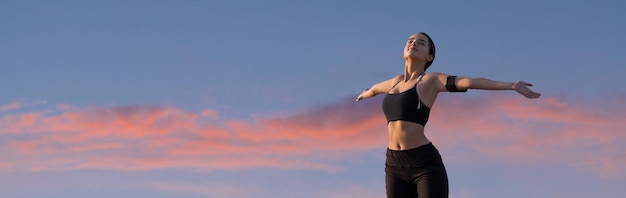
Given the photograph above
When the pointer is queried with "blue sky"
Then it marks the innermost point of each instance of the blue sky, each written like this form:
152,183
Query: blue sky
127,98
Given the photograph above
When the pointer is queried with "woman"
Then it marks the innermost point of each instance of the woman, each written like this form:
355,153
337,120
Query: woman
414,167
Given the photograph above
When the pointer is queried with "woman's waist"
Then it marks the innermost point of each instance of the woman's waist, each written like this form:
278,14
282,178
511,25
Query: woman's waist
404,136
404,125
423,154
405,128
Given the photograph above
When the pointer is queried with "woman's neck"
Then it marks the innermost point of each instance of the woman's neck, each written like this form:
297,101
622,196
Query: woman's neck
413,69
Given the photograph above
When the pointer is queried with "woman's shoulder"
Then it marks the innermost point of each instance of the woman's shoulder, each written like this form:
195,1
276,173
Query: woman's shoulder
396,78
435,79
431,74
434,75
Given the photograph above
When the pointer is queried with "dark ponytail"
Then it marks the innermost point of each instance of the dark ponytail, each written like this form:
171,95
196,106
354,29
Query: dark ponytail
431,51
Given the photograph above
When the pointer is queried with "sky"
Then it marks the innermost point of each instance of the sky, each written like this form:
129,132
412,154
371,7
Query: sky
256,98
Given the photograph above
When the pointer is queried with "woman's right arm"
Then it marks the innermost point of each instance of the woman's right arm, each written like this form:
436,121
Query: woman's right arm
381,87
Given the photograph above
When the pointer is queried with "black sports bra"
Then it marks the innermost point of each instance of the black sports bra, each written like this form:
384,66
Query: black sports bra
406,106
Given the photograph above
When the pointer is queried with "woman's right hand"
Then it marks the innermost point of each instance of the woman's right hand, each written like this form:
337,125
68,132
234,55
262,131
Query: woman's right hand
377,88
365,94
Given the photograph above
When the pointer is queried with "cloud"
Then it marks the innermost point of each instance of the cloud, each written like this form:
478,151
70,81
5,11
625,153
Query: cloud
6,165
18,105
210,113
610,167
244,189
146,137
210,190
509,128
549,130
352,190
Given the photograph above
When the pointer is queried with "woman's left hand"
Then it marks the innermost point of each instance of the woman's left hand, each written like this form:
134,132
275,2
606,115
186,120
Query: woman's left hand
522,88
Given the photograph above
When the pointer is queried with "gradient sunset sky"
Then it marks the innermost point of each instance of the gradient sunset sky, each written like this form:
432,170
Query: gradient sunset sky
239,99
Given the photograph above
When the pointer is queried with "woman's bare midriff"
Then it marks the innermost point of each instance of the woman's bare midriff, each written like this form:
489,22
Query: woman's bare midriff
405,135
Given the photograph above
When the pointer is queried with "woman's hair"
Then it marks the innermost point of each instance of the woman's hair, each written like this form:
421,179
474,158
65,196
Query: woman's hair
431,51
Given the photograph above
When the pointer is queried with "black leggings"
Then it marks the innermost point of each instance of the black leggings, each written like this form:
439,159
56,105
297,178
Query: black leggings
417,172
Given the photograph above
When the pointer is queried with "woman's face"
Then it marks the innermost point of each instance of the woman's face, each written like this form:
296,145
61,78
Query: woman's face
417,47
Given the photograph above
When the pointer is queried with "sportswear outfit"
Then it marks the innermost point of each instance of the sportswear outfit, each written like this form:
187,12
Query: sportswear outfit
416,172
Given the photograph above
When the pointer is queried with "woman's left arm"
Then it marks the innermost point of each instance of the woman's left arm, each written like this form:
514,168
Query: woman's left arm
521,87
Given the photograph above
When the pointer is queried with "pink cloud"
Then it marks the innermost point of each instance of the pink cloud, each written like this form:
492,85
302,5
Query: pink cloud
547,130
18,105
6,165
210,113
210,190
465,127
15,105
612,167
